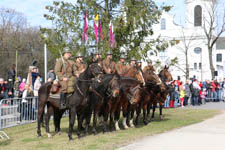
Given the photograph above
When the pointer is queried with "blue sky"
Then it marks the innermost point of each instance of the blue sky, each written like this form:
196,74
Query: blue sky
34,9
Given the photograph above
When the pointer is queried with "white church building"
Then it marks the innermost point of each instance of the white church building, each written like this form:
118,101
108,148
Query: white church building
192,40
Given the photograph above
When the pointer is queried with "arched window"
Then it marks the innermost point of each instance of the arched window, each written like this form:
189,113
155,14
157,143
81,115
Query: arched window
163,24
198,16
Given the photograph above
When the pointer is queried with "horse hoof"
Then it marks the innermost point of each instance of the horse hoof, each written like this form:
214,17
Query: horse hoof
39,136
118,129
94,132
145,122
71,139
126,127
161,117
132,125
49,135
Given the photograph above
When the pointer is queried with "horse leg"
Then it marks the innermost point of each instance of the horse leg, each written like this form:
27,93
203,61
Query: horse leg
72,115
125,115
131,120
94,122
153,111
138,112
112,116
117,117
80,122
59,121
145,120
41,107
47,118
160,111
88,118
105,121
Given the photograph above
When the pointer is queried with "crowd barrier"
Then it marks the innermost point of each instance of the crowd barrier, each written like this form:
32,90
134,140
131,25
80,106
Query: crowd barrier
17,111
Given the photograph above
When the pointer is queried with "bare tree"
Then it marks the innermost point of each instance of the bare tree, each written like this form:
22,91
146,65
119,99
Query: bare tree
214,27
187,42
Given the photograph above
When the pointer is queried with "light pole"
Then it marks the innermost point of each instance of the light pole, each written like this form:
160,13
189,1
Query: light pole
45,56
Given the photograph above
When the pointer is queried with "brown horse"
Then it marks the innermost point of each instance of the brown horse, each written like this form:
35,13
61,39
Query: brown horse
152,84
161,94
91,71
130,96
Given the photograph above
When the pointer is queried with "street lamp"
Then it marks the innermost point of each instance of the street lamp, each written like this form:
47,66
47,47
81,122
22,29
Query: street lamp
45,55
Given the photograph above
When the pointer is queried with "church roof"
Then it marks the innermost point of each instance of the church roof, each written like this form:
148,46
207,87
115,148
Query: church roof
220,43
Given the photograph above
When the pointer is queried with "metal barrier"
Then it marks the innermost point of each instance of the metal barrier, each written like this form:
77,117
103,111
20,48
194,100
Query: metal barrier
17,111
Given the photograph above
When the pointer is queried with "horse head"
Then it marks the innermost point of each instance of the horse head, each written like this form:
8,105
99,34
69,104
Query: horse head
150,76
114,85
93,70
165,75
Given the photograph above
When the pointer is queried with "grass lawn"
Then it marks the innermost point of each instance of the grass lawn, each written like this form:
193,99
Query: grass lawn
25,137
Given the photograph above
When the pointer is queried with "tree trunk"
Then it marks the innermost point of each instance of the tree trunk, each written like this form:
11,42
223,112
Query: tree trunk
187,66
212,69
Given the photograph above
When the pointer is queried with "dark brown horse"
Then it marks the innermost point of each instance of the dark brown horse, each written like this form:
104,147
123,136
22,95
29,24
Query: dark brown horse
130,95
161,93
152,84
91,71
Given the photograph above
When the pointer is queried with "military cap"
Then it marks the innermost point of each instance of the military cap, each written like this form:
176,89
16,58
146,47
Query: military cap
149,61
79,54
133,59
66,50
122,56
109,53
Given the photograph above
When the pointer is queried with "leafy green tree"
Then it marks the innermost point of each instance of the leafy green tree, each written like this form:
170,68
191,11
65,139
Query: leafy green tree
132,20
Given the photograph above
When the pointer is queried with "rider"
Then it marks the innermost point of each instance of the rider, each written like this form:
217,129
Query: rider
139,64
108,64
79,64
121,66
132,62
64,69
149,66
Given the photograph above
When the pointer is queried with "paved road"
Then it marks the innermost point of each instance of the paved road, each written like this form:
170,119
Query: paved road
209,105
207,135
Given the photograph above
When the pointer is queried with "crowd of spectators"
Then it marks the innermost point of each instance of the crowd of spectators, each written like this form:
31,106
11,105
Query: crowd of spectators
194,92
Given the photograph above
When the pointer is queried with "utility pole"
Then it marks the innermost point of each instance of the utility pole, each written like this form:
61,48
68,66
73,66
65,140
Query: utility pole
45,56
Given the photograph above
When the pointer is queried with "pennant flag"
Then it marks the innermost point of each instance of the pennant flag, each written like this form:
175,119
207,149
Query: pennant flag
100,30
96,27
85,29
111,35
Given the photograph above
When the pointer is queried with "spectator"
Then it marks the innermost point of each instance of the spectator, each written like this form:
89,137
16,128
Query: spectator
196,92
22,87
37,85
213,91
11,80
171,93
182,94
2,89
34,75
187,92
203,95
8,90
51,75
176,93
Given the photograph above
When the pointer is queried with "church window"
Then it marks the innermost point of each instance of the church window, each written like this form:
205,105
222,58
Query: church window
219,57
163,24
198,16
195,66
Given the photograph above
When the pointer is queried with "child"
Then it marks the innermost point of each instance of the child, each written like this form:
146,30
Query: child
182,94
203,95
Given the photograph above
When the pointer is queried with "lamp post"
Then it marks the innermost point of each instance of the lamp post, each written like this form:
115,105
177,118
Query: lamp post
45,57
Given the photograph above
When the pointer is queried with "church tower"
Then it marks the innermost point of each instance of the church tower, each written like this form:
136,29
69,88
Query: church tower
197,11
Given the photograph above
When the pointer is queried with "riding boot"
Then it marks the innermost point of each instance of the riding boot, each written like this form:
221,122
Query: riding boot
62,101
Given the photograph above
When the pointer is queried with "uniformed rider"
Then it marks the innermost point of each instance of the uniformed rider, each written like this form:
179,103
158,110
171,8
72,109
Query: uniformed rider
121,66
64,69
79,64
139,64
108,64
149,66
132,62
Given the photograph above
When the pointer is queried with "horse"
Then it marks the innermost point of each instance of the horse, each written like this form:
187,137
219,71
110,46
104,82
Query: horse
44,99
152,85
108,88
161,94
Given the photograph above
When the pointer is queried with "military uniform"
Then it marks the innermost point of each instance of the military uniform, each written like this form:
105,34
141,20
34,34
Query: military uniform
65,72
80,67
131,65
121,68
149,66
108,66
